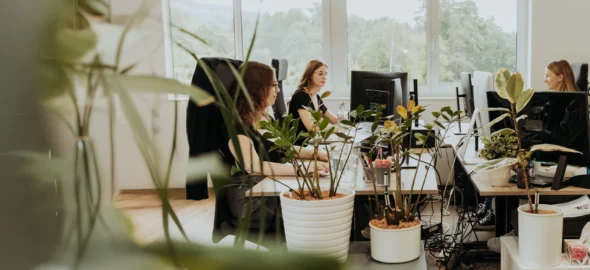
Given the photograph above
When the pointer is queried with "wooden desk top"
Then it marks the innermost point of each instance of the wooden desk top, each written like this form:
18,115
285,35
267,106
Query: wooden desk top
269,187
479,179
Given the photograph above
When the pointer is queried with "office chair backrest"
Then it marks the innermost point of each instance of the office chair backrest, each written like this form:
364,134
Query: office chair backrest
581,75
204,124
280,108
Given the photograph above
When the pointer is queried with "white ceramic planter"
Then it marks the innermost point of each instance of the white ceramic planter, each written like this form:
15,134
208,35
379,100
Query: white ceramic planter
499,177
395,246
319,227
539,236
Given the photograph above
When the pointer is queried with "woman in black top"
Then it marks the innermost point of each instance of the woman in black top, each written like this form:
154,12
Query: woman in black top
262,87
313,79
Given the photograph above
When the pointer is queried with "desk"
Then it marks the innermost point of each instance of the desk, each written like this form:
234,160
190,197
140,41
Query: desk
506,197
511,259
270,188
359,257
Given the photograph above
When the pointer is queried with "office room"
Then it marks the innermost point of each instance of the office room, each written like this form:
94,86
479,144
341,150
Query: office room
309,134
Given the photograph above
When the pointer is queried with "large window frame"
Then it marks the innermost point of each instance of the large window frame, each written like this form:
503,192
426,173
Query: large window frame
335,46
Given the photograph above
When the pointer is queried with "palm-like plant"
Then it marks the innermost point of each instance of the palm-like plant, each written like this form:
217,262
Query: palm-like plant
394,133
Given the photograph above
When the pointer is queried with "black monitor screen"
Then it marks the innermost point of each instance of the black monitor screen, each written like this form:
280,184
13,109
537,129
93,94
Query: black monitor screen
559,118
467,85
372,89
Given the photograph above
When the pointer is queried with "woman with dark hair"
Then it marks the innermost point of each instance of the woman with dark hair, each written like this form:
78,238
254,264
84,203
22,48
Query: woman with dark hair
559,76
258,162
313,79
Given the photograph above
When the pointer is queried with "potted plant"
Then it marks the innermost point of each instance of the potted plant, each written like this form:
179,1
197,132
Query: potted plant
317,216
502,144
546,220
395,223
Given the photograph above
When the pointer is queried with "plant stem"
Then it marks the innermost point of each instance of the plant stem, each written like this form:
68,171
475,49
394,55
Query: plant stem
521,156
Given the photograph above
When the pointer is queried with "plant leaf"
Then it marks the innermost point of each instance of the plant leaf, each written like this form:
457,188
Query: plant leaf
498,119
324,123
495,164
504,131
522,117
95,7
552,148
198,167
154,84
325,94
72,45
502,77
524,98
512,86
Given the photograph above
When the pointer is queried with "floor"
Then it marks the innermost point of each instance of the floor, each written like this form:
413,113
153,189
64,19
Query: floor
143,208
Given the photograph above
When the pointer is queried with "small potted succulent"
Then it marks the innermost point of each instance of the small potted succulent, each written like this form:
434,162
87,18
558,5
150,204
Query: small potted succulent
500,145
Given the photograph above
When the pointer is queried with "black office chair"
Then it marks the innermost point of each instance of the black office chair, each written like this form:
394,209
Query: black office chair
204,124
581,75
280,108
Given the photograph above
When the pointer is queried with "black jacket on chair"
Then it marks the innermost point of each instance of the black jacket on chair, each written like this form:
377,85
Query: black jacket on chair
205,124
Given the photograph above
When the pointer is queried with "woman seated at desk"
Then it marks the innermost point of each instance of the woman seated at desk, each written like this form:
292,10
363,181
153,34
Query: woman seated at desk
313,79
559,76
259,80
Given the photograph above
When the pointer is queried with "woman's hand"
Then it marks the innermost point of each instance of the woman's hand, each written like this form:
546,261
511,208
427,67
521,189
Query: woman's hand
322,166
323,155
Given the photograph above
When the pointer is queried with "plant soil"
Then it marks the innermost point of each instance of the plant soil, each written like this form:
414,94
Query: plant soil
308,197
542,212
380,223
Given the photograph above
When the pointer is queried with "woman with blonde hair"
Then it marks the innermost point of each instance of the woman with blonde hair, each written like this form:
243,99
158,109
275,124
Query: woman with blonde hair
313,79
559,76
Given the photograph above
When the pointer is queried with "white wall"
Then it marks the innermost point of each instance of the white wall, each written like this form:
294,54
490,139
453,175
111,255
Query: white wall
558,30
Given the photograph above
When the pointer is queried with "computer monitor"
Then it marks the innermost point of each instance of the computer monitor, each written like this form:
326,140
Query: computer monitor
559,118
467,87
379,88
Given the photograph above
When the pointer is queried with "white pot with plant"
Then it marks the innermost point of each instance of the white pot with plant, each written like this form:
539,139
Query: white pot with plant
394,229
540,220
317,214
501,144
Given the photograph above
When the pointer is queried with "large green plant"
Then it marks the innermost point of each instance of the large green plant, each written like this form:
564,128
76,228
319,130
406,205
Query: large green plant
80,67
510,86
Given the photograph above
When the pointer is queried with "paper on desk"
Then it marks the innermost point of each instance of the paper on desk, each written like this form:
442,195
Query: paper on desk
576,208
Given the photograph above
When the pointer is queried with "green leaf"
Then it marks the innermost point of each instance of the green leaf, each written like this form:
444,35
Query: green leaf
269,135
436,114
191,34
360,109
522,117
154,84
504,131
39,166
514,87
95,7
316,115
429,126
502,77
439,124
495,164
374,126
198,167
524,98
446,118
448,110
498,119
421,137
365,114
347,122
73,45
282,143
324,123
329,132
552,148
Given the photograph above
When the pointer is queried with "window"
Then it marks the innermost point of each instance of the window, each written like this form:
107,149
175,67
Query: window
387,36
476,35
289,30
211,20
433,40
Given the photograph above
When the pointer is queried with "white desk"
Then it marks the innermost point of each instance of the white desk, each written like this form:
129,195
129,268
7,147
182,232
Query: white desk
270,188
510,258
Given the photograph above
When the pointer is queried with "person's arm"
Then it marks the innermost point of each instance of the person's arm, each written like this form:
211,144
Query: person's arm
252,161
307,153
306,119
328,114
